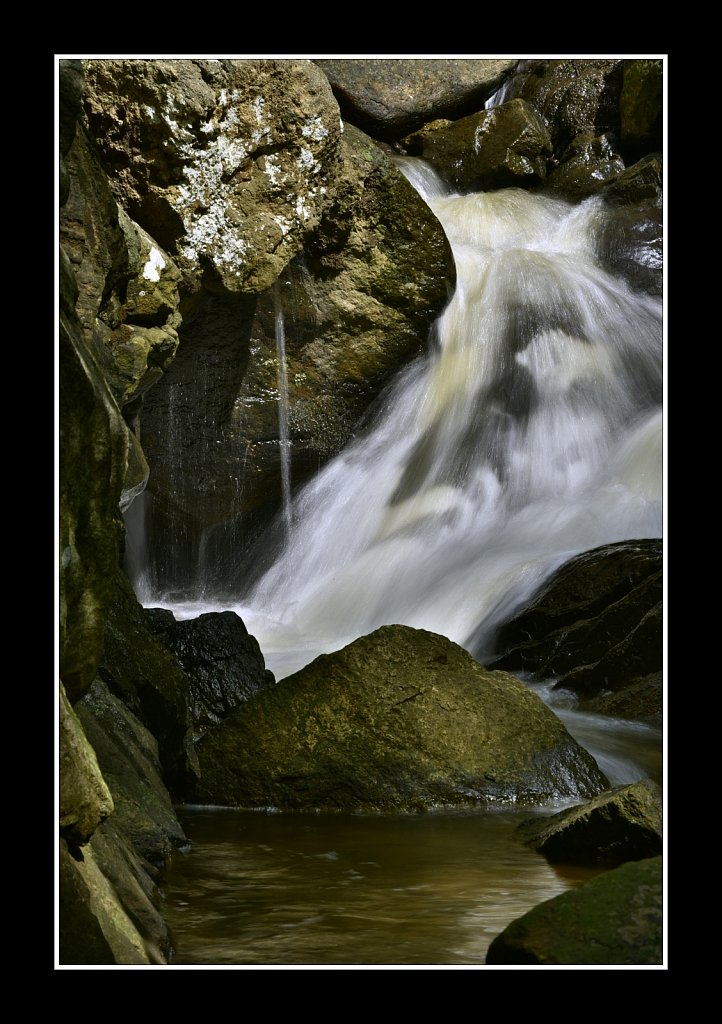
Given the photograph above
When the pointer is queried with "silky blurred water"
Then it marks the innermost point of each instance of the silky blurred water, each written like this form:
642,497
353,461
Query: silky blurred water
320,890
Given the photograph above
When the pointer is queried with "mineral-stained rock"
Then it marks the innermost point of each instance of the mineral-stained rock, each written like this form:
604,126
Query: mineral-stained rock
614,919
401,719
227,163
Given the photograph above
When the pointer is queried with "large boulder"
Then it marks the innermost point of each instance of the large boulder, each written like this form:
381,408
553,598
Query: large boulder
573,95
227,163
621,825
401,719
388,98
614,919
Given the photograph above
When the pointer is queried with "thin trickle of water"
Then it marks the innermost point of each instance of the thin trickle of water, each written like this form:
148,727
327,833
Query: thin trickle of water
509,89
136,561
284,442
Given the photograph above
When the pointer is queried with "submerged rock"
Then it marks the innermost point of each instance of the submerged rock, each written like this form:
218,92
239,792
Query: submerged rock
399,720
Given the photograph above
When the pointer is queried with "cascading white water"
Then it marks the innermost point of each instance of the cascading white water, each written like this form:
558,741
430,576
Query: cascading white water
284,442
531,432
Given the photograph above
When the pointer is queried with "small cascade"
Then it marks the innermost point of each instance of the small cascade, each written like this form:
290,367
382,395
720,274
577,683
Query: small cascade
530,433
284,442
510,88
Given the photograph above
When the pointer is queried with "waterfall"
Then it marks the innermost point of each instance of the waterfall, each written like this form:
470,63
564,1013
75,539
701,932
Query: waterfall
531,431
283,436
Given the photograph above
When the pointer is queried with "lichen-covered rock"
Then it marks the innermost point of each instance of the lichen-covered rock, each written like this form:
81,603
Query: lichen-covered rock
223,661
621,825
226,162
388,98
399,720
356,306
505,146
614,919
85,799
595,625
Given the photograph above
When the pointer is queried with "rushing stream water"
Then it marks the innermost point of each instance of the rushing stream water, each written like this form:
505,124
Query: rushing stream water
531,431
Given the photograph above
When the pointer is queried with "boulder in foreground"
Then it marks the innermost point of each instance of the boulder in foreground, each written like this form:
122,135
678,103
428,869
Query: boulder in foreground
399,720
616,918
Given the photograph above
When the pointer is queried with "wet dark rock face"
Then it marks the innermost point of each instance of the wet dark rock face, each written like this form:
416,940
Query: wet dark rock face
223,662
595,626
